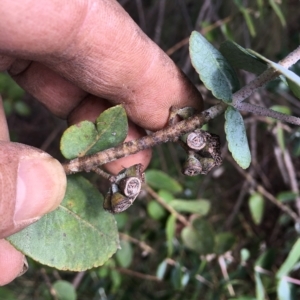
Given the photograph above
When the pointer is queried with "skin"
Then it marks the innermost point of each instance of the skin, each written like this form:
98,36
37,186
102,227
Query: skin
77,58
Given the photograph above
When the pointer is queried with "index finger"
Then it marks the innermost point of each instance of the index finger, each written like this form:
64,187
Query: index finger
99,48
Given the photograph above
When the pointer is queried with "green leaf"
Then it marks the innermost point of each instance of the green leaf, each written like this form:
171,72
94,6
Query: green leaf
266,260
241,58
249,22
280,137
103,272
278,12
200,207
170,232
8,107
125,254
287,196
161,270
286,72
185,279
9,88
223,242
247,17
259,287
295,88
77,236
245,254
22,108
116,280
260,4
165,195
199,237
285,290
256,206
121,220
77,139
291,260
227,31
85,138
64,290
176,276
213,69
155,210
237,138
6,293
282,109
160,180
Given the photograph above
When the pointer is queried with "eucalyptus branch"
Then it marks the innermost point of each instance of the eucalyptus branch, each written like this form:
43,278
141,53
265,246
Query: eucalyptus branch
291,59
264,78
171,133
253,86
263,111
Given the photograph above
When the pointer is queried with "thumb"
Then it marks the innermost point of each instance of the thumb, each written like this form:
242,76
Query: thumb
32,183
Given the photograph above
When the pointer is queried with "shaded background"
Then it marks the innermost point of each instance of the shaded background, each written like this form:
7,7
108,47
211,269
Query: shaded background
271,28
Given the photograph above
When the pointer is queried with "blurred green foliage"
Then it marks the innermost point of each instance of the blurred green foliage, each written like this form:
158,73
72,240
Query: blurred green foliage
12,96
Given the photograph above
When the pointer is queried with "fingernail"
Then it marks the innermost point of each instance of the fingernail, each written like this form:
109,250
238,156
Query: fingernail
41,184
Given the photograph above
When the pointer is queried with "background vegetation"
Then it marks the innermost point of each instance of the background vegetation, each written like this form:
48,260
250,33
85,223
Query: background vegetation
242,239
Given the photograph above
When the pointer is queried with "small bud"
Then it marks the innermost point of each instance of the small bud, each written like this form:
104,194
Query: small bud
196,140
120,203
135,171
192,166
207,164
130,186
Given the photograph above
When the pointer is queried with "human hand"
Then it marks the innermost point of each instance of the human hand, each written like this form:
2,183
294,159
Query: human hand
77,58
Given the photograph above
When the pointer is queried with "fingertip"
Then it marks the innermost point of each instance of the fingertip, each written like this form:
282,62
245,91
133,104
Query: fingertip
12,263
41,185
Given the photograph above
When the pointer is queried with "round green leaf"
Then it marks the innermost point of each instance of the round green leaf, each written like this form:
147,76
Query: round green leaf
199,237
87,138
125,254
155,210
224,241
77,139
165,195
256,206
160,180
22,108
78,235
112,127
237,138
245,254
121,220
213,69
64,290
